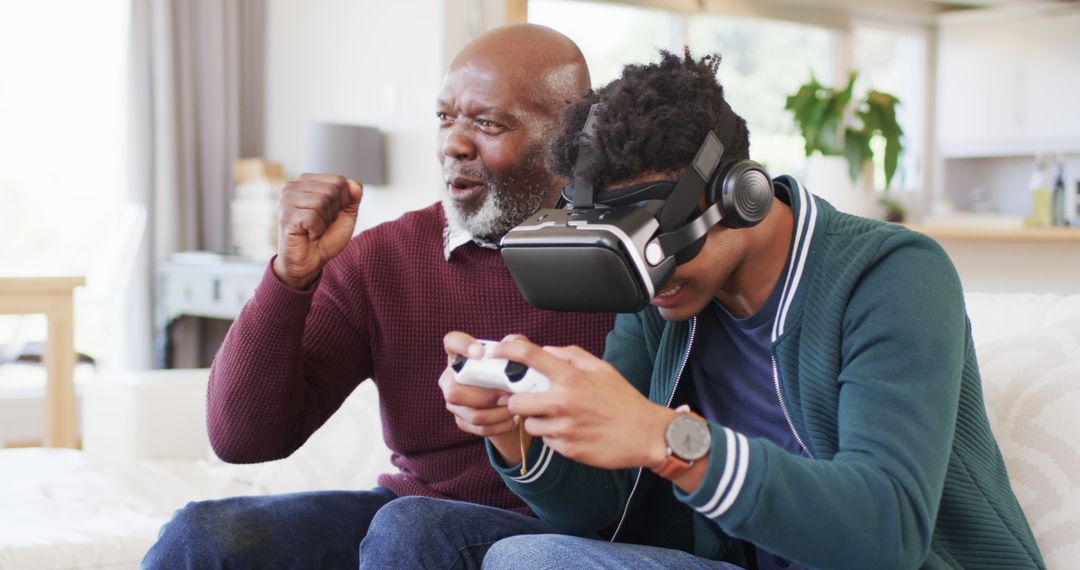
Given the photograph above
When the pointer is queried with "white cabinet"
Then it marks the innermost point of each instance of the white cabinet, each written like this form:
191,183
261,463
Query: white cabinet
215,289
1053,82
1009,83
980,78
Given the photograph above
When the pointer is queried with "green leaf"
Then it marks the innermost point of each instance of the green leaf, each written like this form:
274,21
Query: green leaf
844,97
857,150
828,128
883,109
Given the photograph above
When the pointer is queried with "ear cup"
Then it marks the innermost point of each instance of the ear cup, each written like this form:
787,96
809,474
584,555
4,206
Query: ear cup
744,191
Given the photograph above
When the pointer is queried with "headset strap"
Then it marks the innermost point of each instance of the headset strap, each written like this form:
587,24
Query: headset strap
674,241
583,187
684,198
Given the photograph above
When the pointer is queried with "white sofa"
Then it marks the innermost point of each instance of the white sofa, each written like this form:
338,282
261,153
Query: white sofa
146,452
1029,356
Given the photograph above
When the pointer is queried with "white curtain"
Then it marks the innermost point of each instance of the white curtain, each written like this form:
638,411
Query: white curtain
196,105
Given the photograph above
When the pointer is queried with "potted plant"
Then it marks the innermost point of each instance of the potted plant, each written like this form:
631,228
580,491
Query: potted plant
835,123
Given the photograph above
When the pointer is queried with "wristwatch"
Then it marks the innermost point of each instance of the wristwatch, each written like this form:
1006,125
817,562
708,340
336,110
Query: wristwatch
688,439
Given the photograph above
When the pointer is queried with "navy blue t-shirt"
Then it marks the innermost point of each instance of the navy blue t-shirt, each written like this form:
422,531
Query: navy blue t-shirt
731,368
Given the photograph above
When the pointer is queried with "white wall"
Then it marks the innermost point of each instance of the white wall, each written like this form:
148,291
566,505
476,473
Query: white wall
357,62
372,63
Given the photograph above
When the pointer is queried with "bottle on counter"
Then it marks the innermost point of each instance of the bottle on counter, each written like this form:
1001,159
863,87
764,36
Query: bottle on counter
1059,211
1040,195
1075,222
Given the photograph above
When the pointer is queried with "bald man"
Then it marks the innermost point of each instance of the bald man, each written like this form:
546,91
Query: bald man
333,310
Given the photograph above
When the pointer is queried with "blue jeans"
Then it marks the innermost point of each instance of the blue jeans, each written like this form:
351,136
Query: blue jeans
420,532
561,552
320,529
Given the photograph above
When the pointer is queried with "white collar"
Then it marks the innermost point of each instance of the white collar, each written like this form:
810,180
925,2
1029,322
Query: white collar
455,237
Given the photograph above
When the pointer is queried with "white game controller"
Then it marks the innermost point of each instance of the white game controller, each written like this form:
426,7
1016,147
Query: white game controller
498,373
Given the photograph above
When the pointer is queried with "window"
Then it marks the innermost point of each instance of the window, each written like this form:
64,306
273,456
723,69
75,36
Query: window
764,61
609,35
893,60
62,94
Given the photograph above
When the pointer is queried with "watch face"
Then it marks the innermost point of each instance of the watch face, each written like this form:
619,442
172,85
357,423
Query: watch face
688,437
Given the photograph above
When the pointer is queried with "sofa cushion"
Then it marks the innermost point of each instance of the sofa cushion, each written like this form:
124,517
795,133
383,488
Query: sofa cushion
59,510
1029,356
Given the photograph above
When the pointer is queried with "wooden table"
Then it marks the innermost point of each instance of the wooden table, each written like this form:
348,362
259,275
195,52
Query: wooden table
54,297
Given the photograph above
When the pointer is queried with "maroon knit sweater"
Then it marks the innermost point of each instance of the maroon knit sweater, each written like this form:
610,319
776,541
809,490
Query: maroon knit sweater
379,310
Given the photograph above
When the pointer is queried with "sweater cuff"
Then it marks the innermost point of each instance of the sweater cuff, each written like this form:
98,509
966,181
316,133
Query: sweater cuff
281,304
729,460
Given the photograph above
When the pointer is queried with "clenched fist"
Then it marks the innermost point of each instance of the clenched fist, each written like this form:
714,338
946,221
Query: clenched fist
318,214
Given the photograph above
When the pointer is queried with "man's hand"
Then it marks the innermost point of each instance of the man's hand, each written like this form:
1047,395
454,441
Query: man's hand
318,214
479,411
591,414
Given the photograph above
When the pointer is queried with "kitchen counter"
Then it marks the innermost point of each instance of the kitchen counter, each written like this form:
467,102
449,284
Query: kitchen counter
1011,260
1039,235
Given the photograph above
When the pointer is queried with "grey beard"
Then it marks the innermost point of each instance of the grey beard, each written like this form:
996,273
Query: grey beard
501,210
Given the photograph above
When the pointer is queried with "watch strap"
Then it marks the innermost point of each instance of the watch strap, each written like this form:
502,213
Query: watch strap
673,465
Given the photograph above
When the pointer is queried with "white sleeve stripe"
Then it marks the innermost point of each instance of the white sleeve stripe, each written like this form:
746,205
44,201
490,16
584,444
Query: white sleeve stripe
729,464
736,487
542,463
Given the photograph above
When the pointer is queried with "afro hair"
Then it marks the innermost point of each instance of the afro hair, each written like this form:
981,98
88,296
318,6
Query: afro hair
652,120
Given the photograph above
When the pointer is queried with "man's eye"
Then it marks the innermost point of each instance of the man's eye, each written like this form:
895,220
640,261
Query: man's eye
442,116
484,123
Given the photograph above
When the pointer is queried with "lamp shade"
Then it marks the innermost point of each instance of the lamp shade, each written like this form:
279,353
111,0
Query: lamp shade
352,151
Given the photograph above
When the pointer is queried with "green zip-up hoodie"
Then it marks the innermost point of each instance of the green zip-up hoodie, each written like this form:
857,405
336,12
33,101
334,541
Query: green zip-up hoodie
875,371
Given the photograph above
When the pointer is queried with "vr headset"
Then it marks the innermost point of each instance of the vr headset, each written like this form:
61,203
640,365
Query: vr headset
613,251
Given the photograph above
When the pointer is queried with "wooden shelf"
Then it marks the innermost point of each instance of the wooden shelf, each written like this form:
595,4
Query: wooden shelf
1041,235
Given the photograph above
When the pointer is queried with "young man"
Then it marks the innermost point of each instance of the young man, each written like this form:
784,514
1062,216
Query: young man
333,310
835,412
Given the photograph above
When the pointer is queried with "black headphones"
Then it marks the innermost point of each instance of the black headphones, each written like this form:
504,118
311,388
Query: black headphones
740,188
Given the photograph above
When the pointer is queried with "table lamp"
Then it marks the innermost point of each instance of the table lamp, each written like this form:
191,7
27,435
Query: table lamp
353,151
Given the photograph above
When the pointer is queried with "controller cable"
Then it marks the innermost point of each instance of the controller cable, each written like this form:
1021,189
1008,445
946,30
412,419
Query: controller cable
519,426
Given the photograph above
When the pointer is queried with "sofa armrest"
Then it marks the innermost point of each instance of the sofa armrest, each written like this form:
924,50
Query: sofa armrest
151,414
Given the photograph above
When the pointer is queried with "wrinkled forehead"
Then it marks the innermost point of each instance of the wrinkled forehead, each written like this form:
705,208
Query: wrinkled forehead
512,89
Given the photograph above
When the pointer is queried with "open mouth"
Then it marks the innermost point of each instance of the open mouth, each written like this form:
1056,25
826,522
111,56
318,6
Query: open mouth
462,188
669,297
671,291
